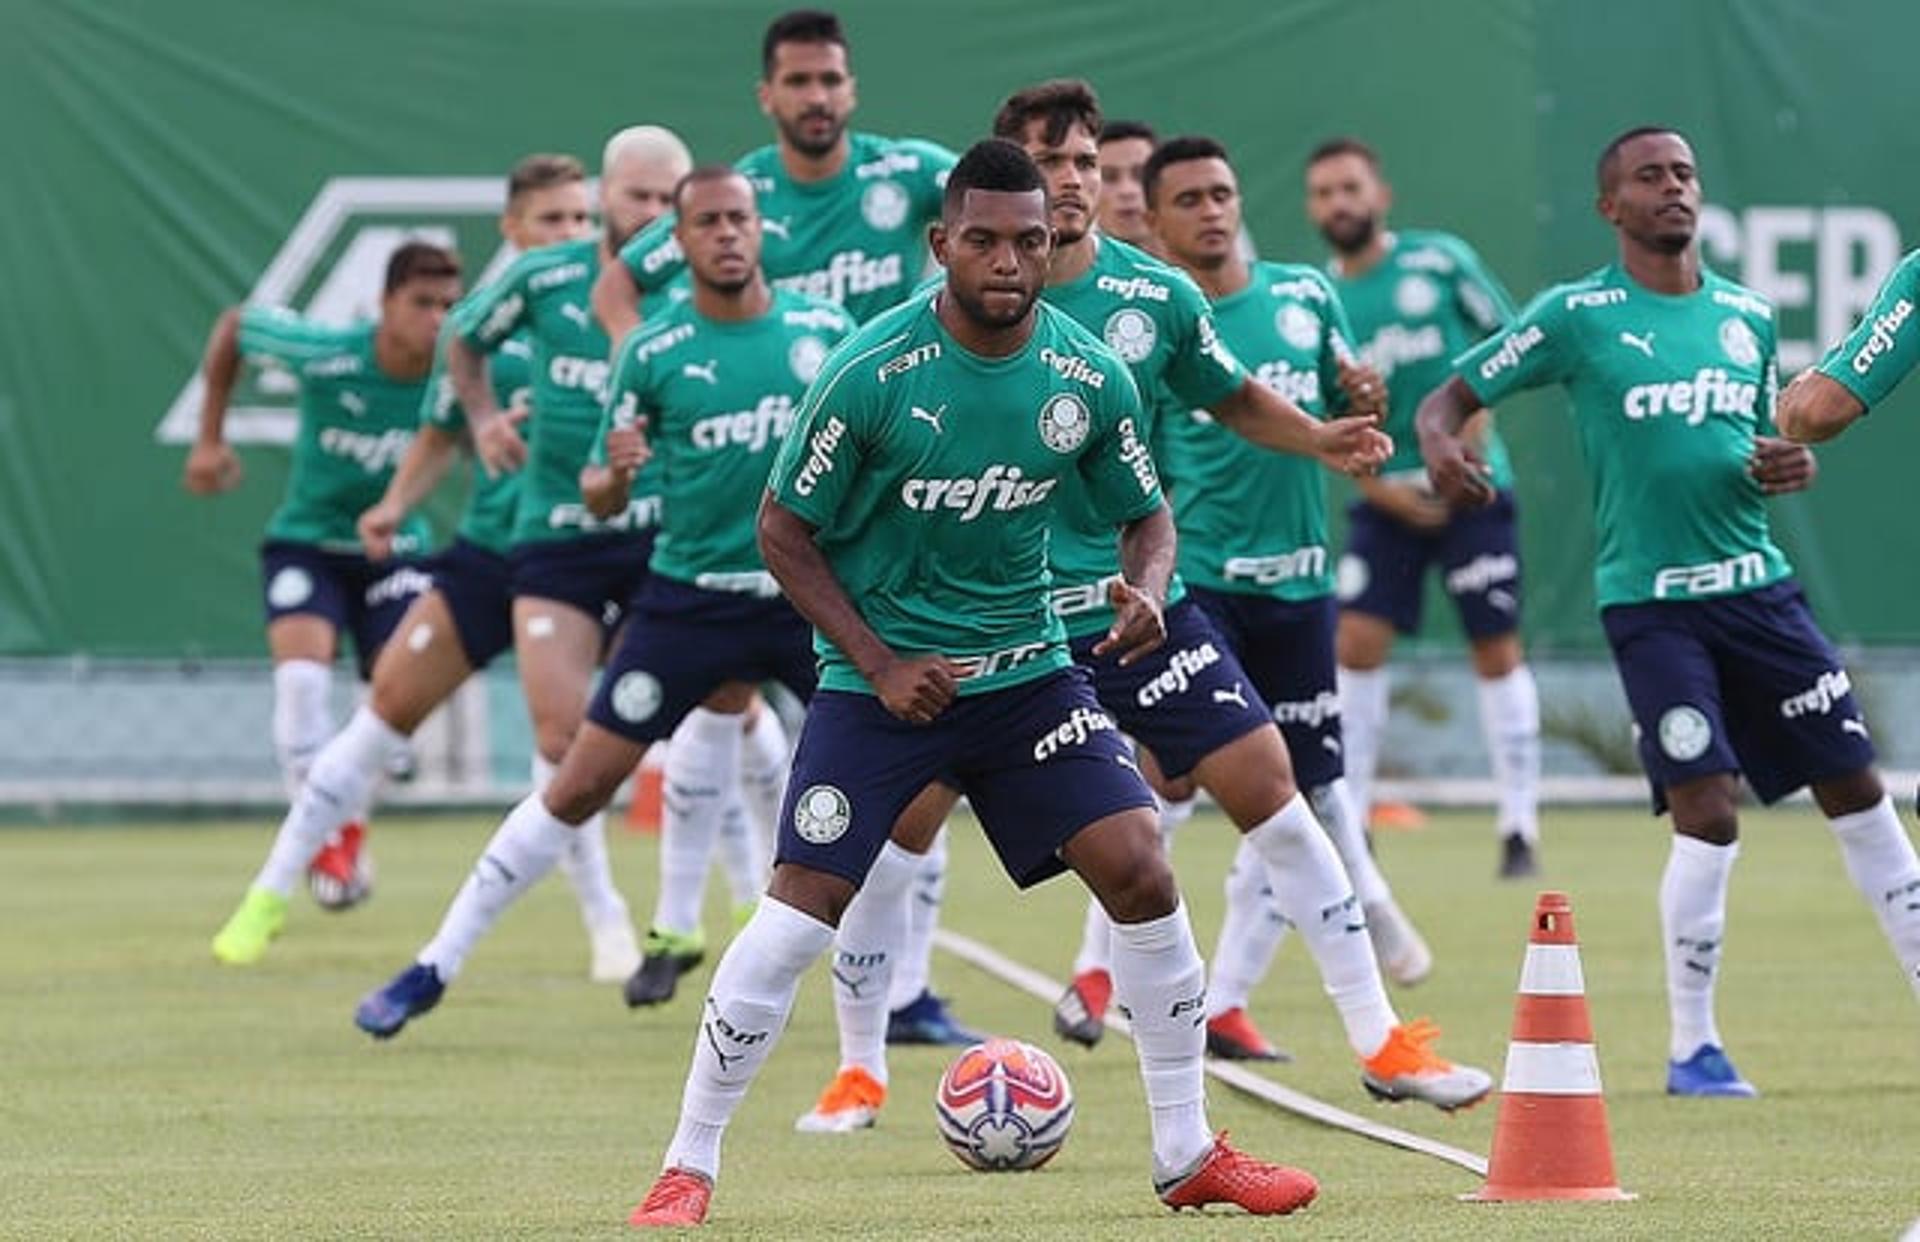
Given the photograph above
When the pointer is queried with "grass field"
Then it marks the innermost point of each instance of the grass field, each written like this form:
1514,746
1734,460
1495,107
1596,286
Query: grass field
146,1092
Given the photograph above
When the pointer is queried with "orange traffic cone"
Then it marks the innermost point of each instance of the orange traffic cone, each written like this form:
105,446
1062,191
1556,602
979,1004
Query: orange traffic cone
1550,1139
644,812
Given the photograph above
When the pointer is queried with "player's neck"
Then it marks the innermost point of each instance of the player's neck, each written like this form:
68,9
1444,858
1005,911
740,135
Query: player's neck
1658,271
804,168
1352,263
396,361
1072,261
975,339
1222,280
750,301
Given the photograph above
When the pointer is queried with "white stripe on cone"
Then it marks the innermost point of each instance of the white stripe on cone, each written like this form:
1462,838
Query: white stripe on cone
1552,970
1552,1069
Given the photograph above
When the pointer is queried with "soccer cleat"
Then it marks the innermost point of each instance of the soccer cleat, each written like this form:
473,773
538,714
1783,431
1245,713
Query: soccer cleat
925,1020
616,954
1225,1175
243,941
340,876
679,1199
1516,858
1232,1036
1708,1074
1407,1068
668,956
1404,956
850,1102
1081,1012
412,992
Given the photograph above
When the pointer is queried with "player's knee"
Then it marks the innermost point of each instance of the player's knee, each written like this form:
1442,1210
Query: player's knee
390,701
1146,891
1251,778
816,894
1706,810
552,738
1362,642
1849,794
1496,656
575,796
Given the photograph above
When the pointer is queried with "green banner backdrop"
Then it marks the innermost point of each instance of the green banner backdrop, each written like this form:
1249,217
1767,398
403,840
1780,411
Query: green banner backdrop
163,160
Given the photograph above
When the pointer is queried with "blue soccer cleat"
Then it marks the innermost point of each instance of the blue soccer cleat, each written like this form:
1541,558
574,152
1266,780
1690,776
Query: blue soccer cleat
925,1020
412,992
1708,1073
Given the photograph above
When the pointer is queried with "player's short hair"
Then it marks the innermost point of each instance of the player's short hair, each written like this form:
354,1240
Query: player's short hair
1059,104
653,144
1178,151
1120,131
542,172
1334,148
704,173
991,164
1607,167
799,26
417,260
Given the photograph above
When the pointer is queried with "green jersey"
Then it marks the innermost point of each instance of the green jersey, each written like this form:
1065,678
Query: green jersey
1252,520
1669,393
1426,302
1159,323
718,398
857,239
545,294
355,425
932,475
488,520
1885,345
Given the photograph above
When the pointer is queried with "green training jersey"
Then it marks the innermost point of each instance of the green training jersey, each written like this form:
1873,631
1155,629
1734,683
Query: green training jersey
1424,304
545,294
1885,345
1252,520
1669,393
857,239
718,397
488,520
355,425
932,475
1159,323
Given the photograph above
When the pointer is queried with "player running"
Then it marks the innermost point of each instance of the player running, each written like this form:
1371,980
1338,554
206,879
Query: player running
1671,369
1253,543
709,387
907,518
360,393
1124,148
1861,371
1416,300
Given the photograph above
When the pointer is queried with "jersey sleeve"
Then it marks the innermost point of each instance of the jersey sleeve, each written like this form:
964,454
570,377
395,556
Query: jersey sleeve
1482,299
275,333
1201,370
654,256
1885,345
1533,352
494,312
1116,463
821,455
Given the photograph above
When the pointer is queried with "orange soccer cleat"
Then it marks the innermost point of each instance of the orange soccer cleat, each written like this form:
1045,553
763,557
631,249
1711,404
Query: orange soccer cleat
678,1199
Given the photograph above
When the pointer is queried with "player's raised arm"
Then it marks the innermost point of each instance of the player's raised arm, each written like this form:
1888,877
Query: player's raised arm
1815,407
212,465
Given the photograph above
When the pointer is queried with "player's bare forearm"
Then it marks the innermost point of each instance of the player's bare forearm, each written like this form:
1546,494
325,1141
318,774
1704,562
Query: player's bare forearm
1148,549
1814,408
1455,467
1445,411
801,569
605,490
472,386
219,371
421,470
615,299
1264,417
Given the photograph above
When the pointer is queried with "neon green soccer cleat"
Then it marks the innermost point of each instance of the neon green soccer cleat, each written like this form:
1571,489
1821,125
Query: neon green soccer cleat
243,941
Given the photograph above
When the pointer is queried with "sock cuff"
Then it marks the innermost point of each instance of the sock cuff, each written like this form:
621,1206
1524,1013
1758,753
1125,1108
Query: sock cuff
1873,817
1164,932
302,675
366,723
542,770
777,926
1696,851
706,727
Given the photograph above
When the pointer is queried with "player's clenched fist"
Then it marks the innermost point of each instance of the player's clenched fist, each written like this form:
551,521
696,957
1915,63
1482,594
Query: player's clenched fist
1138,624
1781,466
916,690
627,448
212,468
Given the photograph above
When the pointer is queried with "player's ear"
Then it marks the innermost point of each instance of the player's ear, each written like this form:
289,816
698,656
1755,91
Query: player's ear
763,91
937,241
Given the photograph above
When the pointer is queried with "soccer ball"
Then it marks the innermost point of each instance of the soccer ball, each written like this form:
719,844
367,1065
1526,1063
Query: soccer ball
1004,1106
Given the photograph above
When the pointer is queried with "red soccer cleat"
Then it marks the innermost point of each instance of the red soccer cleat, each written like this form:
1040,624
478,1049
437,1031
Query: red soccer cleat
1232,1036
340,876
678,1200
1225,1175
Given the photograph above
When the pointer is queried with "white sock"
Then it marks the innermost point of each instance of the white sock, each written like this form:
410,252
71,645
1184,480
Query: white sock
1316,896
585,863
1881,860
1172,815
764,756
1363,718
1159,979
1249,935
912,971
1339,815
1693,920
1096,941
302,718
525,848
871,932
336,790
741,856
1510,720
703,764
745,1011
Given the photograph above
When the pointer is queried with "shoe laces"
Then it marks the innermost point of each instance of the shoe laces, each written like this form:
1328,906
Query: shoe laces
851,1088
1409,1050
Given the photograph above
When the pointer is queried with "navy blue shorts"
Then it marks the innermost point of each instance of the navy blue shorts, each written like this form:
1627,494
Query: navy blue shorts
363,599
1745,683
599,574
478,586
682,643
1182,702
1286,647
1384,570
1039,761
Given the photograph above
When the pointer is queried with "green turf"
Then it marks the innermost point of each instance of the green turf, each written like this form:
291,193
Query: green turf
144,1091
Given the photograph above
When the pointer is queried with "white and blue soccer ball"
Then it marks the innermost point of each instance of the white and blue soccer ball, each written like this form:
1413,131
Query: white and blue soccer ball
1004,1106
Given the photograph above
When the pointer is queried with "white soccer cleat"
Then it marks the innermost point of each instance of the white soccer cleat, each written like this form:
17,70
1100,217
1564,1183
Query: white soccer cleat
1407,1068
851,1102
616,953
1404,956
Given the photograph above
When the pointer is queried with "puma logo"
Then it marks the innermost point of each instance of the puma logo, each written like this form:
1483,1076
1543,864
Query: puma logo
576,313
930,417
1236,695
779,228
1642,343
708,371
1855,726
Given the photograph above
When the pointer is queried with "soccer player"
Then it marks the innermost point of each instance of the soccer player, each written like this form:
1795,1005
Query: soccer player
708,386
450,631
1253,541
907,517
1416,300
1124,148
1670,368
360,393
1861,371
